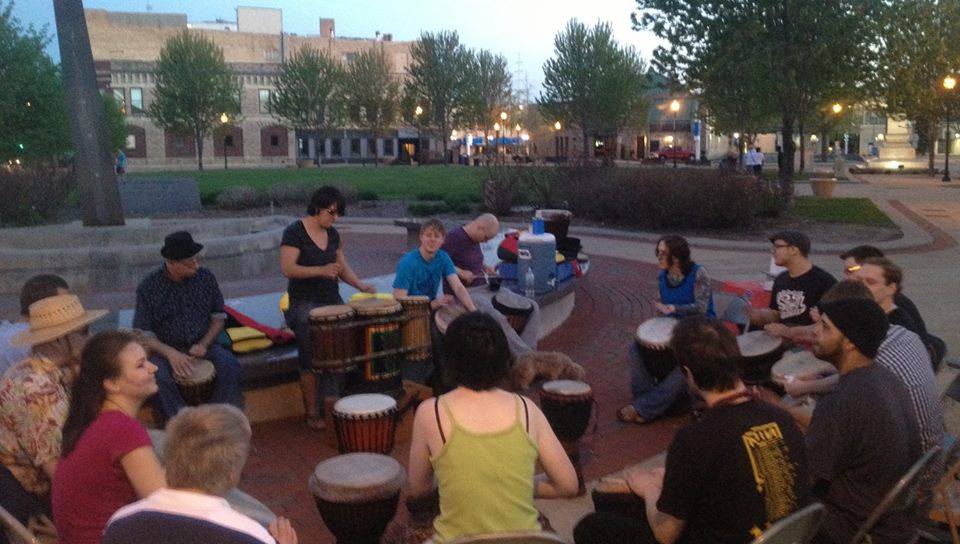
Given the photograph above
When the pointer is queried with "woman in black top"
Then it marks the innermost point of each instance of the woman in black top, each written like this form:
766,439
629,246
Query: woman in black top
311,256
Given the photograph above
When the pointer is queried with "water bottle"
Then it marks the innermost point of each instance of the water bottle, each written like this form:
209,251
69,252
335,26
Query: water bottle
529,284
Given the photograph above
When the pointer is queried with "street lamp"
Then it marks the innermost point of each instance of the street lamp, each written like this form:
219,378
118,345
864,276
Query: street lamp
503,123
675,108
949,84
837,107
416,115
224,120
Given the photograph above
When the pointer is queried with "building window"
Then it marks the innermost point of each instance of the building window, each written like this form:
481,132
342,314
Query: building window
354,146
388,146
119,98
264,100
335,150
136,100
274,140
372,147
228,141
131,141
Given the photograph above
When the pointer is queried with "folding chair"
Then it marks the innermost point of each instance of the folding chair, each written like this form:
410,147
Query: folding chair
16,532
798,528
510,538
902,496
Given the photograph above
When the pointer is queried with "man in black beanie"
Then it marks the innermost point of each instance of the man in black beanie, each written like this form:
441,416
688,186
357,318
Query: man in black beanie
862,437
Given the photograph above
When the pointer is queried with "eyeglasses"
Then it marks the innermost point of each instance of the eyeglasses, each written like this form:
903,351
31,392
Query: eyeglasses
852,269
332,211
780,246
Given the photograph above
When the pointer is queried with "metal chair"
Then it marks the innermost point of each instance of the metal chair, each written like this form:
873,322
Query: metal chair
732,308
798,528
522,537
903,495
16,532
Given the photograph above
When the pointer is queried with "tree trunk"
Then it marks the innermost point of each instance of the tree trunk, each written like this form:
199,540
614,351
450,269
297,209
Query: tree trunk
319,145
198,139
803,149
94,166
789,149
932,139
585,151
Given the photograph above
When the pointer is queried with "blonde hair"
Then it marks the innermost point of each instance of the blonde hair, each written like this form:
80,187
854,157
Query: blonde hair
206,448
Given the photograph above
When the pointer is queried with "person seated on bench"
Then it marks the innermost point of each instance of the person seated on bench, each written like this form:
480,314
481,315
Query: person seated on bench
179,313
421,270
34,289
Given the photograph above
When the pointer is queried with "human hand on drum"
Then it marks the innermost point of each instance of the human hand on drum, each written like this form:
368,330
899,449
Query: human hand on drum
198,350
330,271
441,301
367,288
664,309
282,531
642,481
181,363
777,329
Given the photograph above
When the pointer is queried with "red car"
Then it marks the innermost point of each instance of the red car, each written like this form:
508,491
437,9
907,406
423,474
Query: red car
675,153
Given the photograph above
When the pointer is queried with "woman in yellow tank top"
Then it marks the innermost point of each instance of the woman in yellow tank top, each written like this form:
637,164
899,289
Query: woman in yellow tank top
480,444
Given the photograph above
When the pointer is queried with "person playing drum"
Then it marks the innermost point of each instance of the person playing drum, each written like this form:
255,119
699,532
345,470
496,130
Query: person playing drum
684,290
420,270
480,444
312,258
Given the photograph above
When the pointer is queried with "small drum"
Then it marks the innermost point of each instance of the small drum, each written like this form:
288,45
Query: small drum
567,406
416,330
515,308
800,365
365,422
758,351
379,346
357,495
197,388
334,337
446,314
653,339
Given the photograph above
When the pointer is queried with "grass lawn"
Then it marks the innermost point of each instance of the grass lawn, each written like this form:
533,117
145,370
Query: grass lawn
858,211
388,182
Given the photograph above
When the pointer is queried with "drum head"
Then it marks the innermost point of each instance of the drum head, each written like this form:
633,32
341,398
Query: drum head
757,343
567,387
203,371
801,364
356,478
332,312
656,331
364,404
446,314
516,303
414,300
375,306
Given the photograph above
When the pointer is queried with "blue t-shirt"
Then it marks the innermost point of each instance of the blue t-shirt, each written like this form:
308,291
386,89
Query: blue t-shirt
420,277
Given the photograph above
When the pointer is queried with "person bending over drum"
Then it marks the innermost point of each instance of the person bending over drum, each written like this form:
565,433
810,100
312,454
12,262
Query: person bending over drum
312,258
483,443
684,290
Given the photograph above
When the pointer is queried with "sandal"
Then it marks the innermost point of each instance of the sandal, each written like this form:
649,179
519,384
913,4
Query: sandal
316,422
628,414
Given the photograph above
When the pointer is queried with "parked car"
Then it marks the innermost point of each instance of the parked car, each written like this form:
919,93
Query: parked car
675,153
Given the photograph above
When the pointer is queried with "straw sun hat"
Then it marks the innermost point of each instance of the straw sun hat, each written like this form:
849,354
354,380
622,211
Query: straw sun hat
53,317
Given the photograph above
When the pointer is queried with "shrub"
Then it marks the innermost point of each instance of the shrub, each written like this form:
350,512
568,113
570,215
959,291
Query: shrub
457,206
429,196
289,193
368,195
33,195
351,195
501,188
425,209
240,197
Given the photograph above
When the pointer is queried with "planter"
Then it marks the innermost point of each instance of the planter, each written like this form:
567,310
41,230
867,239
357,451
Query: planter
823,187
306,163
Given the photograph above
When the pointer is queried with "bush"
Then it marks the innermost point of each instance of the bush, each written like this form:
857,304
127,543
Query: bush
351,195
368,195
461,207
425,209
33,195
501,188
429,196
240,197
289,193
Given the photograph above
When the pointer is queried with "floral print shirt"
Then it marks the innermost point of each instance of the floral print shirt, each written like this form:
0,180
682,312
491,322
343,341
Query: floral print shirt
33,408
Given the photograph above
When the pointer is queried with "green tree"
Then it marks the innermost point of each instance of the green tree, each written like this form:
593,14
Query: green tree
488,89
307,92
194,87
116,125
794,51
593,83
32,110
372,92
437,80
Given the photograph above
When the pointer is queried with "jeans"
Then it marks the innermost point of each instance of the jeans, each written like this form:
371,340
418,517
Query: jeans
226,389
651,399
20,503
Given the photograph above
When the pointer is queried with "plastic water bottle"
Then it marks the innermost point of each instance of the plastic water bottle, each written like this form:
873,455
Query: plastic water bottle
529,284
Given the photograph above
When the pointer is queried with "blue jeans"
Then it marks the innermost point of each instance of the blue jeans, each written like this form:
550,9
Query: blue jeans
226,389
651,399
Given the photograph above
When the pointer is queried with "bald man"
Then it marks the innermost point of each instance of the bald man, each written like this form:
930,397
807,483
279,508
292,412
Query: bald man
463,246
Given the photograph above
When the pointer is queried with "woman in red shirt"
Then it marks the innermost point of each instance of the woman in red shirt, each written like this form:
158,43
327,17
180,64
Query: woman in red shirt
107,459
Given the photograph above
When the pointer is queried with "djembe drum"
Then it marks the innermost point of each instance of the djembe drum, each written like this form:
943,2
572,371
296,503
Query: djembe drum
416,330
567,405
197,387
334,334
380,357
759,350
801,365
357,494
516,309
653,339
365,422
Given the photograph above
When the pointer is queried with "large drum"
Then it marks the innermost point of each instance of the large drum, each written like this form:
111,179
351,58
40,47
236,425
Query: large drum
334,334
447,314
801,365
365,422
567,405
416,329
357,495
380,354
653,338
516,309
197,387
759,350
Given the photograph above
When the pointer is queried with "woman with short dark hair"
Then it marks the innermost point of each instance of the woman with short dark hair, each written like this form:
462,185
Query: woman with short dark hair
482,443
312,258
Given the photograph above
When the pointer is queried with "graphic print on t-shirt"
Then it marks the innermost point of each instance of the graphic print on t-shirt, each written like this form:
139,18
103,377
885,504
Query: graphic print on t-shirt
791,303
772,470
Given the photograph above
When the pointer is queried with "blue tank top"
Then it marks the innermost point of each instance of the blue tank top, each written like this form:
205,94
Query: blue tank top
683,293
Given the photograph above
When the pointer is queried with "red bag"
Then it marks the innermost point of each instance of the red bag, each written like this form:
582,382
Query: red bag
278,336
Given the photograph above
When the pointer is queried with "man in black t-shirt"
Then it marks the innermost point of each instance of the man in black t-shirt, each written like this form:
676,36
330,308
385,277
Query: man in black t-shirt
796,290
729,475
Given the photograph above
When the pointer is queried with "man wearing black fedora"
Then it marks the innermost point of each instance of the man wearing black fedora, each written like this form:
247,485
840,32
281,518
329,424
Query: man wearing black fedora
180,311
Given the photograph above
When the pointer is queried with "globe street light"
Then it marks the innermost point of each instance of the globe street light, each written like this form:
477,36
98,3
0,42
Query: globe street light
416,115
837,107
675,108
224,119
949,84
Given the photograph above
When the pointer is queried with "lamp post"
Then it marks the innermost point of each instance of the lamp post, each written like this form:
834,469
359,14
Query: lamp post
503,123
675,108
224,119
838,155
416,115
496,141
556,140
949,84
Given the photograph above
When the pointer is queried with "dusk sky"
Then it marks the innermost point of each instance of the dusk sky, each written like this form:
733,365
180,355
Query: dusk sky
522,30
